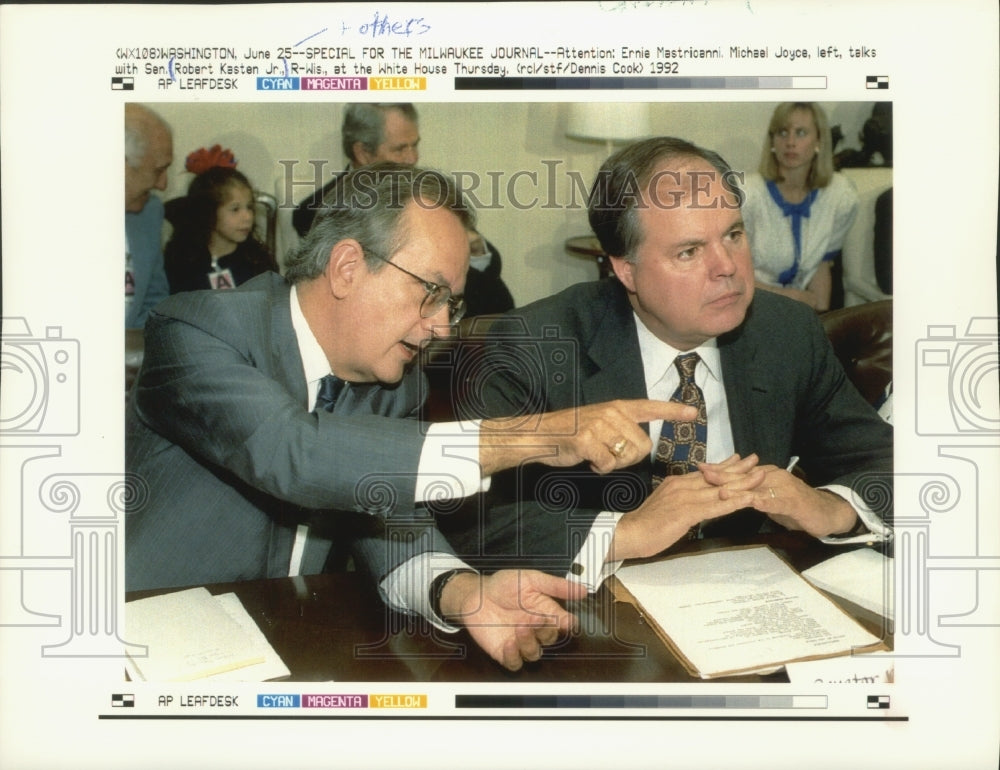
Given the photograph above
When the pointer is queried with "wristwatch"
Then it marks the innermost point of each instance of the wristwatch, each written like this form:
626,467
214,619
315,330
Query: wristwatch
437,588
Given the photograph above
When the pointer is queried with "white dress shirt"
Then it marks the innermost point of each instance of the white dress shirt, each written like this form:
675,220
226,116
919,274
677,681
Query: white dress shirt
448,468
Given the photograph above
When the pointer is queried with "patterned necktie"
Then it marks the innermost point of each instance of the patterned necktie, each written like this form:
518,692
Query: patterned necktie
682,444
329,388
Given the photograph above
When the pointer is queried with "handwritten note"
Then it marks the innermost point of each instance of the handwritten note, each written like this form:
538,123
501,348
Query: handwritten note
873,668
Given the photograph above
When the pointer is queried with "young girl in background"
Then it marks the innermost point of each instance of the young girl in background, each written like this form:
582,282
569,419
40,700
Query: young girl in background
213,245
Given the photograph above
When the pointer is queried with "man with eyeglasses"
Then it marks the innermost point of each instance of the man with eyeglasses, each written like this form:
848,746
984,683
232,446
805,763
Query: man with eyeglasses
273,425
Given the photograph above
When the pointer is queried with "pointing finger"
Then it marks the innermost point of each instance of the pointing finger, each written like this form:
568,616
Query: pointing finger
644,410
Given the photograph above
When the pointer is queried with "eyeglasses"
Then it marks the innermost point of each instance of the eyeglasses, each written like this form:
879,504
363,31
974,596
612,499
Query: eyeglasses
436,298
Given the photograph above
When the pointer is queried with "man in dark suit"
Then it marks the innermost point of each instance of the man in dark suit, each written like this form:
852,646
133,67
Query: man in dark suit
268,424
667,213
377,133
369,133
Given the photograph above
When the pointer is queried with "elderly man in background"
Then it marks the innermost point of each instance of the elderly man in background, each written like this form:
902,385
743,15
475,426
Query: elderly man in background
149,151
370,133
376,133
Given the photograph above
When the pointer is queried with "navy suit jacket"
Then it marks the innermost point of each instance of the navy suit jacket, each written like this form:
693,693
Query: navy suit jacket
786,390
227,460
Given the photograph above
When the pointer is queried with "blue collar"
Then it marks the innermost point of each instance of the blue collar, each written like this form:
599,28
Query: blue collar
797,211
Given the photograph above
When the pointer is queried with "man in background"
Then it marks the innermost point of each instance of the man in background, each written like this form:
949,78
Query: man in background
370,133
149,151
373,133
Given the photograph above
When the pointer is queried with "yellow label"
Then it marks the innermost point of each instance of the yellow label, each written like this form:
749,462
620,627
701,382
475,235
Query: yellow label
397,84
397,701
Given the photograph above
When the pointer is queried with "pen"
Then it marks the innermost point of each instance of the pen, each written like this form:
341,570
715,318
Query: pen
792,463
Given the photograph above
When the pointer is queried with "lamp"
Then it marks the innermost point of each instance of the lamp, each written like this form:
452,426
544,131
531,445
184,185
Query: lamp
608,122
601,122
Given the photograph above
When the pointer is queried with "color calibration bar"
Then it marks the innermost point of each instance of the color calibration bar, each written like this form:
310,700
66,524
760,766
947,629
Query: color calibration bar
348,83
341,83
480,701
641,83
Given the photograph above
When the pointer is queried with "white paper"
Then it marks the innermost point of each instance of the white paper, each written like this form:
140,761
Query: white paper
862,576
188,635
61,135
743,609
271,668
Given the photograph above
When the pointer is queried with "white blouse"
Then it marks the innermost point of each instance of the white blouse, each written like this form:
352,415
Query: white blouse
788,242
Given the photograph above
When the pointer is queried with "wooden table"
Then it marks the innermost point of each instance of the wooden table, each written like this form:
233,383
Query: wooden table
334,627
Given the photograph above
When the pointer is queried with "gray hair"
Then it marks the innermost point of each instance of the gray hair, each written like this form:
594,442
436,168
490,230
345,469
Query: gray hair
365,123
625,177
139,120
367,205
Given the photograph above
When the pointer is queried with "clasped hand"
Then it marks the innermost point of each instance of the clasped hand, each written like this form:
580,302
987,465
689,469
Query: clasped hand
787,499
718,489
681,502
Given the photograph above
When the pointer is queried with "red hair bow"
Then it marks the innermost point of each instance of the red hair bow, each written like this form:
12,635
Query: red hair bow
202,160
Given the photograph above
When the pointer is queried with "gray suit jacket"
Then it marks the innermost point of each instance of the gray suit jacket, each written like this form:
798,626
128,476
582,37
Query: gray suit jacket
228,461
787,394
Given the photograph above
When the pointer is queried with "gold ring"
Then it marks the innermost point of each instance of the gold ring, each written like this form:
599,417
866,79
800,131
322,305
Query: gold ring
618,448
771,490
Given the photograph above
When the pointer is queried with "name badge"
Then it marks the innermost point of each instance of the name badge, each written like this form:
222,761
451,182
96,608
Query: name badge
221,279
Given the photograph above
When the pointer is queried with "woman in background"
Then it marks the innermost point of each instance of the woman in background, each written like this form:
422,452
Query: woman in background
798,209
213,245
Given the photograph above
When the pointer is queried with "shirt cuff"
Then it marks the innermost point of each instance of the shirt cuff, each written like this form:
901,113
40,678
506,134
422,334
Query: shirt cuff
590,566
407,588
878,531
449,466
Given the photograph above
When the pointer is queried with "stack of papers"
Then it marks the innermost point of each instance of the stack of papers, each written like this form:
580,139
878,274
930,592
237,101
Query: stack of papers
739,611
192,634
862,576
